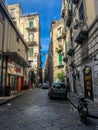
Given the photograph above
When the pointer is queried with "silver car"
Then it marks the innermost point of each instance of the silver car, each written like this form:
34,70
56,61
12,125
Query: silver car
58,90
45,85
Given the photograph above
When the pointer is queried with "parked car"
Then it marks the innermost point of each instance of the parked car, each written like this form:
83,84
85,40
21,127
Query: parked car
58,90
45,85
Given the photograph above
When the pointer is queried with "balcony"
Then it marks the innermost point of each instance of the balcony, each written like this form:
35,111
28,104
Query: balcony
60,66
59,37
31,43
65,59
69,18
81,34
63,13
76,2
59,49
72,64
76,24
35,54
64,34
70,51
31,29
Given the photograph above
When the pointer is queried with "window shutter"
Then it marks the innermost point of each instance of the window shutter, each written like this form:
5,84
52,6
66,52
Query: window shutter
31,37
60,59
30,24
30,52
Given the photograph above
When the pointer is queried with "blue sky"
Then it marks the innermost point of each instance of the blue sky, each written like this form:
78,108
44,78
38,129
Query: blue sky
49,10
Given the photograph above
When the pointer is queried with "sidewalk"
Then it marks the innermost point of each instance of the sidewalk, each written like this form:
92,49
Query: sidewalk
92,106
6,99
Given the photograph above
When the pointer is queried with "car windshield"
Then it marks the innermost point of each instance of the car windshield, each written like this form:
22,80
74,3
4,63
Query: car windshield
46,82
57,85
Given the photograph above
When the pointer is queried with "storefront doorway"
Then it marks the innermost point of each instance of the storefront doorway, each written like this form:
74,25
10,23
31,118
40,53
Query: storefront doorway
13,84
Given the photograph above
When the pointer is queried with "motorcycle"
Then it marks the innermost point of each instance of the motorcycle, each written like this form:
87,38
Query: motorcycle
83,109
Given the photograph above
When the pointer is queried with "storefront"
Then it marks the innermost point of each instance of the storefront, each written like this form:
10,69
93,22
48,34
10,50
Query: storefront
87,80
14,76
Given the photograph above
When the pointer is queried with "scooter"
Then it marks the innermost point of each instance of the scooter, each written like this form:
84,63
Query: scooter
83,109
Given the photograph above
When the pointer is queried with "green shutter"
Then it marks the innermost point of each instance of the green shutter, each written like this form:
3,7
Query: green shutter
60,59
30,24
30,53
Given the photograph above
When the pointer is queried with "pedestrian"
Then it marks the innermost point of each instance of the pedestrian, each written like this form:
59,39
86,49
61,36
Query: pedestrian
68,86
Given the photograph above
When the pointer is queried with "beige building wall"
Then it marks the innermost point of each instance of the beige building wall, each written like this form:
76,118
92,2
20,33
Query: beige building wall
13,42
1,35
58,47
15,12
22,22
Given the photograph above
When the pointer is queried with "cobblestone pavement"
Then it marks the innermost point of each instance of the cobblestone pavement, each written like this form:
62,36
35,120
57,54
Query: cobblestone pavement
35,111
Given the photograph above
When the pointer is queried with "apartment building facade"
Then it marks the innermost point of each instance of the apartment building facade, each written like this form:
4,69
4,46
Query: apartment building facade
82,24
57,48
13,62
29,26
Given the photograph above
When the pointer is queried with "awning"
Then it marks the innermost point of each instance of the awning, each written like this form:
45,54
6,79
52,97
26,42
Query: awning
17,58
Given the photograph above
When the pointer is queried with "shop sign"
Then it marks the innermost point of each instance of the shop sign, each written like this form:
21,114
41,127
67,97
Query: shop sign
14,69
88,82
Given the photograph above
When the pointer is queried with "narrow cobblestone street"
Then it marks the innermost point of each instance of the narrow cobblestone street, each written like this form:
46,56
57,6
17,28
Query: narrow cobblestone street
35,111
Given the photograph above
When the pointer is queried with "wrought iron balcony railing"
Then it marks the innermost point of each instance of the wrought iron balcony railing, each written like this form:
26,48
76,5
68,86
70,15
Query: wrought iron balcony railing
70,50
31,28
65,59
69,18
81,32
59,37
64,33
32,43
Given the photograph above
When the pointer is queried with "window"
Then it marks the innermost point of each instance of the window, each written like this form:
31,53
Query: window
12,12
60,58
15,22
17,39
30,52
59,31
70,5
31,23
81,11
31,37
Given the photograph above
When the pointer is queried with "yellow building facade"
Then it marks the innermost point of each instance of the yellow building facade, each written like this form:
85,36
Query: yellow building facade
29,27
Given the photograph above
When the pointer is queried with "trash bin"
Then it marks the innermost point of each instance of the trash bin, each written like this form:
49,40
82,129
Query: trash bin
7,90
